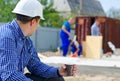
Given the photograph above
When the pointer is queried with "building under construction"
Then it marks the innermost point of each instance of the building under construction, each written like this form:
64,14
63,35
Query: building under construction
110,30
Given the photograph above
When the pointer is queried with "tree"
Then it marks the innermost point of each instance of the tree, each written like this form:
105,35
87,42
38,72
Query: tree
114,13
6,7
52,17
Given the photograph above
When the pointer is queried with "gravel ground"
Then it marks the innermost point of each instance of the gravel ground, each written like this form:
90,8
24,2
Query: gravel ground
90,73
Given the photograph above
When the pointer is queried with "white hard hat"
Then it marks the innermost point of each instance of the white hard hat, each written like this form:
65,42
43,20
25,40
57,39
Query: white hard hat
31,8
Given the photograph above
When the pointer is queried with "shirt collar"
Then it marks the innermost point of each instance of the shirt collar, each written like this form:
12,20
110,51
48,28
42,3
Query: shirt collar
17,29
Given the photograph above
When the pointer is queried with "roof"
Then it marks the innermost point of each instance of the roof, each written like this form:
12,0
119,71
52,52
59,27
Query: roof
74,4
89,7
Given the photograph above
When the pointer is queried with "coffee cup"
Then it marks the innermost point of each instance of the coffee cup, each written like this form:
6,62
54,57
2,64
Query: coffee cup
69,69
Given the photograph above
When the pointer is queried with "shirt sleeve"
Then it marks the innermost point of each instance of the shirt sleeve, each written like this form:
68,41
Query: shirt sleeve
65,24
92,30
39,68
76,44
9,60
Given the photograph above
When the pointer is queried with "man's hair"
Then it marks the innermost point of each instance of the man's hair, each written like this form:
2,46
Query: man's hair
25,19
96,18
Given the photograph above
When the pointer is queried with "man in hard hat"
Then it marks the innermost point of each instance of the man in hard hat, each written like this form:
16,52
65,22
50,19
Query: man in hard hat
17,50
64,36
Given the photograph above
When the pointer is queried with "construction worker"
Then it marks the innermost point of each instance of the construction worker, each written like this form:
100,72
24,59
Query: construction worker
76,48
95,28
64,36
17,50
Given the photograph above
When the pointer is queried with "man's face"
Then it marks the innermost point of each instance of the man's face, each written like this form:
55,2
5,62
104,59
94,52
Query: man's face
72,21
102,19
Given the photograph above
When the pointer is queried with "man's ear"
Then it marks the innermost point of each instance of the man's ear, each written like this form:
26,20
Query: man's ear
32,22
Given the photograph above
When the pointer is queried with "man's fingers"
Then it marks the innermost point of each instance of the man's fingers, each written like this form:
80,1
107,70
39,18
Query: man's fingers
64,66
74,70
74,67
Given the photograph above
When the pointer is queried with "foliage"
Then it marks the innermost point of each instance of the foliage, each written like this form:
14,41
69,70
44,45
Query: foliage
52,17
6,7
114,13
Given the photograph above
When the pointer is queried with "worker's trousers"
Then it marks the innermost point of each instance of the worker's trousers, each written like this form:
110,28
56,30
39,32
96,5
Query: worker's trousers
73,49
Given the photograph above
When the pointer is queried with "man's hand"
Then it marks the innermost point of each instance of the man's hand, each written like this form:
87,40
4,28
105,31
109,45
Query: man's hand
65,30
63,72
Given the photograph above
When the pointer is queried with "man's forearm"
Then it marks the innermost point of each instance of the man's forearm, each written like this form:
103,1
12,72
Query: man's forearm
64,29
37,67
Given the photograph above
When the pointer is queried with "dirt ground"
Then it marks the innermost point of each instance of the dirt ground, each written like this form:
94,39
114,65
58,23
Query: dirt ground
92,78
90,73
49,54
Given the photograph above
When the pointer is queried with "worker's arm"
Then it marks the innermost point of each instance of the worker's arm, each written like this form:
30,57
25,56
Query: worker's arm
9,59
37,67
64,29
93,31
77,50
77,46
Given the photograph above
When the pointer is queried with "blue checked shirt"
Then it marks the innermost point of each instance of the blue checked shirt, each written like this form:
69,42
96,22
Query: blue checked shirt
18,52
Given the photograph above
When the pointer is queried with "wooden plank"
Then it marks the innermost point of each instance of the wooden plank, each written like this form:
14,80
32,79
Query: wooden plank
93,47
84,48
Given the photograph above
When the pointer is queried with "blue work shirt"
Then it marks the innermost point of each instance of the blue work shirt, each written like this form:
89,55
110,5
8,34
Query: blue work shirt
65,38
18,52
67,26
95,30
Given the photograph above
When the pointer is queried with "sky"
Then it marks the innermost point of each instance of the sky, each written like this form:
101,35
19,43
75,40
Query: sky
107,4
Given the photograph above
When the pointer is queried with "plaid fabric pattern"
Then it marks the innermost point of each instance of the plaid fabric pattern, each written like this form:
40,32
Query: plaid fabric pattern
18,52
